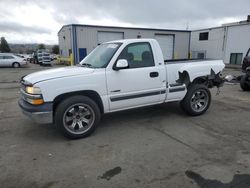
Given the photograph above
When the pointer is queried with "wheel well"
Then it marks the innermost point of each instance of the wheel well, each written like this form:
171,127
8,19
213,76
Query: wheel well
88,93
200,80
184,78
15,62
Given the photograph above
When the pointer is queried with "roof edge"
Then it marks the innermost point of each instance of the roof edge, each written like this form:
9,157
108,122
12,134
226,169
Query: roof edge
118,27
223,26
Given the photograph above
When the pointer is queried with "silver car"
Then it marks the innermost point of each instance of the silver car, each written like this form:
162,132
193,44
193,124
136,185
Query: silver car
10,60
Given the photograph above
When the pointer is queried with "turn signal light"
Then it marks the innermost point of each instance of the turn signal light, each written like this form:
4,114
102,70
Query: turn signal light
35,101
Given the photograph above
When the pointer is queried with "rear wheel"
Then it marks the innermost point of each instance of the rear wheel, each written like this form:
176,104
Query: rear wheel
197,100
243,83
15,65
77,116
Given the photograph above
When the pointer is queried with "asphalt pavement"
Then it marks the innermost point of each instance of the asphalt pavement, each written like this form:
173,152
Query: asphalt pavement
156,146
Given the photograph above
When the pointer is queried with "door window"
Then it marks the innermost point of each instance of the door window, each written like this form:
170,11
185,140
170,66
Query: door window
138,55
236,58
8,57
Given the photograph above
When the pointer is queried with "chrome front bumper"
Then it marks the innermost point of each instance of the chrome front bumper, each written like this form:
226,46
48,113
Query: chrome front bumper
41,114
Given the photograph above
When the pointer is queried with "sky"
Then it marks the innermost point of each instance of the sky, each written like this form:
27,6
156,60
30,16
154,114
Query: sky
38,21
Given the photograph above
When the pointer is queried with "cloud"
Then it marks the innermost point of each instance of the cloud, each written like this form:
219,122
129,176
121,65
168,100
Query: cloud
47,17
158,12
13,27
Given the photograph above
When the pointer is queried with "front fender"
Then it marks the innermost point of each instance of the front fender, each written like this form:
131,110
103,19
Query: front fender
53,88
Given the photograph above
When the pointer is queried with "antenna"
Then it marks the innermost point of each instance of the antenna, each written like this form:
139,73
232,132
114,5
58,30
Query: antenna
187,26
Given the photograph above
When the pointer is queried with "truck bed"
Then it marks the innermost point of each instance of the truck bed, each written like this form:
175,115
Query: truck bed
173,61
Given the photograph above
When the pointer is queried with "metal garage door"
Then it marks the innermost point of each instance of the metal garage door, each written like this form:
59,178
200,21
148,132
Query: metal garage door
167,45
109,36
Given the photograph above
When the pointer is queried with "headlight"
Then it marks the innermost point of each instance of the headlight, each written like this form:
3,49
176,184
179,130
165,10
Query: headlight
32,95
33,90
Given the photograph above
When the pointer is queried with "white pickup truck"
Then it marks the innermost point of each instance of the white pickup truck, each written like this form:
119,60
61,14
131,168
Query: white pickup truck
116,76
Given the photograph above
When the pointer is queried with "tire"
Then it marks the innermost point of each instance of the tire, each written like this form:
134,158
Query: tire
243,84
77,117
16,65
197,100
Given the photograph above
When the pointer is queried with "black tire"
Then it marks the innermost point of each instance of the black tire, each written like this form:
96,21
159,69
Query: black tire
194,99
243,84
16,65
64,111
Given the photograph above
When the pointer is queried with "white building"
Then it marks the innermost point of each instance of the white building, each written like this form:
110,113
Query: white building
230,42
82,39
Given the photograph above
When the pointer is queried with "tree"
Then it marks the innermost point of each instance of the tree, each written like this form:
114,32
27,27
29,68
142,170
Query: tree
4,46
55,49
41,46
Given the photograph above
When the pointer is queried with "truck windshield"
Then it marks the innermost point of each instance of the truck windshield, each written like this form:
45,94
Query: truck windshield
100,56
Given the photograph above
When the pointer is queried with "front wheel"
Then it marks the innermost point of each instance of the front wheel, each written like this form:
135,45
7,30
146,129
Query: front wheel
197,100
77,116
243,83
15,65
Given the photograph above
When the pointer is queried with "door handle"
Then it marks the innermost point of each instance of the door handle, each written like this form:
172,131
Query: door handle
154,74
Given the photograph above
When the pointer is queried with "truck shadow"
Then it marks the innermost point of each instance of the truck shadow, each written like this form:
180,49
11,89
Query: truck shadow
126,118
167,110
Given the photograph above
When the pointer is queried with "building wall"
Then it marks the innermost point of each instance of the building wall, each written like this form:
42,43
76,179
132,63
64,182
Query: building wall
238,41
87,37
182,45
213,47
223,41
64,38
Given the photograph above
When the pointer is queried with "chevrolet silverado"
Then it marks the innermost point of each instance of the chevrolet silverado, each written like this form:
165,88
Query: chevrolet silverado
117,75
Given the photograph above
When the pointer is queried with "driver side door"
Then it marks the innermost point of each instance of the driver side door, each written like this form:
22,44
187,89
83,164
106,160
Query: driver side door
137,85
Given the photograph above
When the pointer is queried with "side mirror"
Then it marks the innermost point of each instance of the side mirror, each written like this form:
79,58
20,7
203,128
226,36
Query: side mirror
121,64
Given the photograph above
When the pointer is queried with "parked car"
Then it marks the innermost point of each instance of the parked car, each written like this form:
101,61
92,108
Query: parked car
43,57
19,55
39,56
46,60
245,79
117,76
53,57
11,60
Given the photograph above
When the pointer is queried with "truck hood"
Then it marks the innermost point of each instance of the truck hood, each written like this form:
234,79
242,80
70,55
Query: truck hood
57,73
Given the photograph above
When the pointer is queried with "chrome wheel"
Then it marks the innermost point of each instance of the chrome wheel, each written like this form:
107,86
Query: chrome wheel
78,118
199,100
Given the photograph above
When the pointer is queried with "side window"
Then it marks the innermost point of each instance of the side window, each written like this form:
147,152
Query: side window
203,36
8,57
138,55
1,57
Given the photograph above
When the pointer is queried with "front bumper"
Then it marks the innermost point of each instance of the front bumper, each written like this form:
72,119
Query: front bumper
46,62
42,114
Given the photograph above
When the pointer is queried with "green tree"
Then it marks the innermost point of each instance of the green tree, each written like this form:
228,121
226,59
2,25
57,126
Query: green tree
41,46
55,49
4,46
